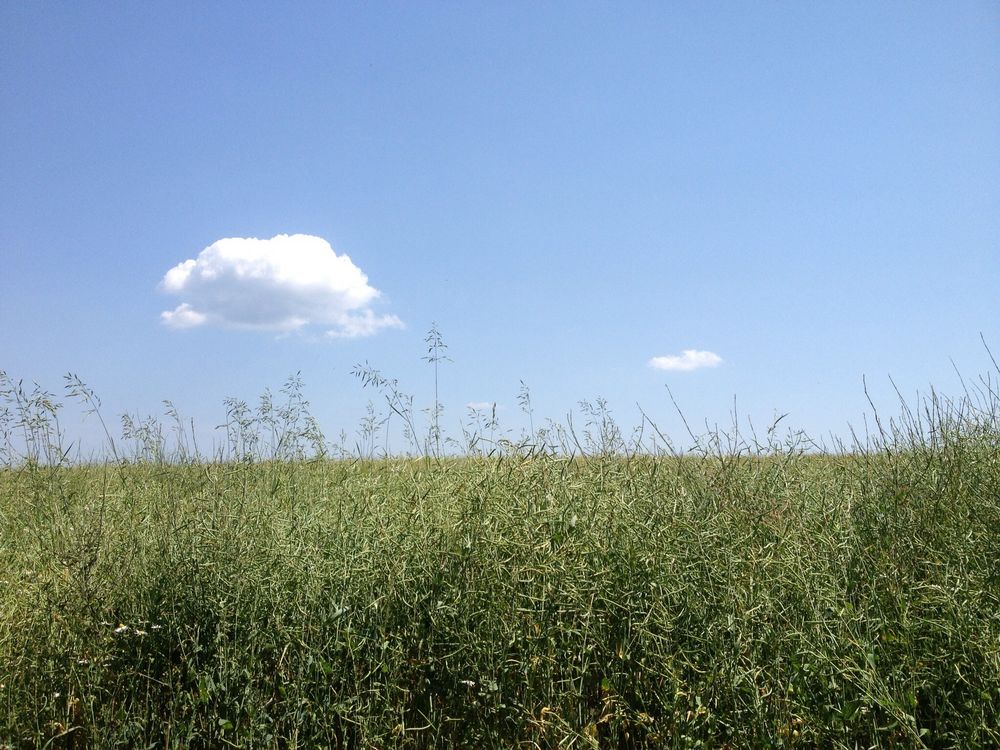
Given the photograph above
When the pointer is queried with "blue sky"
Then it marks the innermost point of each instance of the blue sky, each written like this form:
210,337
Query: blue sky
808,191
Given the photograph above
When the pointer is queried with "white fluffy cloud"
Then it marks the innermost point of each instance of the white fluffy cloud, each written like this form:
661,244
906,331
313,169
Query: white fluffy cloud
689,359
281,284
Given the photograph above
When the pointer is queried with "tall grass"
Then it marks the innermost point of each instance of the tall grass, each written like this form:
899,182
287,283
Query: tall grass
744,594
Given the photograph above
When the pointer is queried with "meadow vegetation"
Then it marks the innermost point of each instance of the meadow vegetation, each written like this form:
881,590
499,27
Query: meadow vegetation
558,591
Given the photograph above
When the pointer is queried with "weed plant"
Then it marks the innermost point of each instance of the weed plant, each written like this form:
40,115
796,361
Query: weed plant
743,594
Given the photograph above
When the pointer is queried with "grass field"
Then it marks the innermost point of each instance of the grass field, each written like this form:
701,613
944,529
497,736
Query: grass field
733,596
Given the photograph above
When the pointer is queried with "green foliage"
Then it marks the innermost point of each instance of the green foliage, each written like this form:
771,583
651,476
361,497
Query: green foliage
739,596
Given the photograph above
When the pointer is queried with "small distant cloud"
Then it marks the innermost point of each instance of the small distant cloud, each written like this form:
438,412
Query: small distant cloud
282,284
689,359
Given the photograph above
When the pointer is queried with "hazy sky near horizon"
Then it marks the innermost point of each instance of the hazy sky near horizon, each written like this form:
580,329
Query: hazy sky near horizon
759,201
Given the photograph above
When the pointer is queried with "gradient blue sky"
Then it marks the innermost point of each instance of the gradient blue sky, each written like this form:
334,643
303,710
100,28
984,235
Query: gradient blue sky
809,190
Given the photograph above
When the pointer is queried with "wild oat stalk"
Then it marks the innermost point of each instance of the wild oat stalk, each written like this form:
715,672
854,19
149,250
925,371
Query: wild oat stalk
436,354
